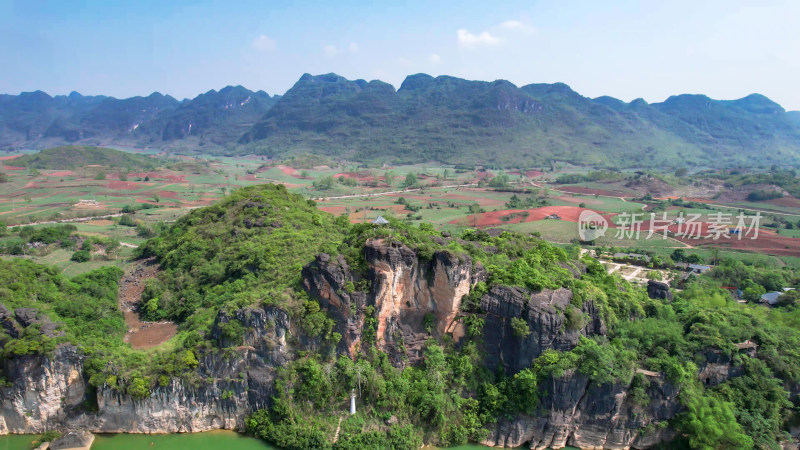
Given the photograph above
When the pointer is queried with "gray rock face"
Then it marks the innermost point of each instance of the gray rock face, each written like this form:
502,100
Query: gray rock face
45,391
544,313
22,318
575,412
8,322
48,393
659,290
73,440
414,299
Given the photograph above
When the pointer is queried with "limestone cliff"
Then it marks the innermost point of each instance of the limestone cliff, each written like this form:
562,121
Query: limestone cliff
544,312
573,411
49,392
414,299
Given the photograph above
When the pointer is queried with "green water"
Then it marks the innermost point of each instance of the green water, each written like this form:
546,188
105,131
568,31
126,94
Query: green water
210,440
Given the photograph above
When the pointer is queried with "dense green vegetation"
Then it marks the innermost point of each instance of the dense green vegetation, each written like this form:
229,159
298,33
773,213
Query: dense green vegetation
86,306
248,250
77,157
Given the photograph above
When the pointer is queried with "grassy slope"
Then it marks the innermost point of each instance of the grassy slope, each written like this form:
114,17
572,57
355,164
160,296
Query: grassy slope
75,157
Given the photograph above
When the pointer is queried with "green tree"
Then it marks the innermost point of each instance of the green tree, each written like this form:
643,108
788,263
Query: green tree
112,247
324,183
500,181
81,256
411,180
127,220
520,327
754,293
678,255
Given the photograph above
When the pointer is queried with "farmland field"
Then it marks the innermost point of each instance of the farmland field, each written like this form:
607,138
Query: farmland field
450,199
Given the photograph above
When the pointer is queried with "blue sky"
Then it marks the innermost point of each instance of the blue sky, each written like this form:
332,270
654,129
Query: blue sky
626,49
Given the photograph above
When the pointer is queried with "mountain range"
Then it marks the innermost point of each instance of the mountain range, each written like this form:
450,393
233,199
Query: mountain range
443,119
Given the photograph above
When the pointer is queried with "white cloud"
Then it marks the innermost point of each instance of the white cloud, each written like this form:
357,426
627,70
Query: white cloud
467,39
353,47
512,24
330,50
434,58
264,43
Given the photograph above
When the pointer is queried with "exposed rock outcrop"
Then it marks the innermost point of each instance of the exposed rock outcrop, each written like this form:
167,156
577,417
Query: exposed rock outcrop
545,314
52,392
45,391
77,440
414,299
573,411
659,290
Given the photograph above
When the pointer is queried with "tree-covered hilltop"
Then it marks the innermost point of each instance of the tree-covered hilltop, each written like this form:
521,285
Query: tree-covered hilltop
285,310
75,157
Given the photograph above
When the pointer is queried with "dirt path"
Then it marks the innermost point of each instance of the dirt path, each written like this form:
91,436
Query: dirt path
338,428
141,335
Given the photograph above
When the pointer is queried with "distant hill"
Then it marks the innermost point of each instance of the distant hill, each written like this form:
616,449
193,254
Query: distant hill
794,116
454,120
217,117
211,121
74,157
444,119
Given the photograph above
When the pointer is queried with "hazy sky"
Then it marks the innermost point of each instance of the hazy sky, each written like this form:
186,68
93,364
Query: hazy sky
627,49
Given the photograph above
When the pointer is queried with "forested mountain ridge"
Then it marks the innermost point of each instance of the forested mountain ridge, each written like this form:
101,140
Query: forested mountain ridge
215,118
444,119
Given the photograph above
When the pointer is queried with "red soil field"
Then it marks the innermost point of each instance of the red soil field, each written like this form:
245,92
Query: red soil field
13,168
785,201
533,173
250,177
292,172
139,200
356,176
60,173
31,185
6,158
335,210
168,194
567,213
766,242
